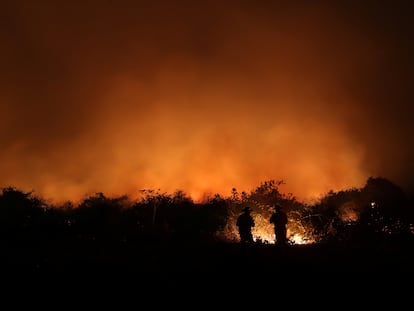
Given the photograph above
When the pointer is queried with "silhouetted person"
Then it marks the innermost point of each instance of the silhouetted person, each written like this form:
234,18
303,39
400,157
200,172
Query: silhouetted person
245,223
279,220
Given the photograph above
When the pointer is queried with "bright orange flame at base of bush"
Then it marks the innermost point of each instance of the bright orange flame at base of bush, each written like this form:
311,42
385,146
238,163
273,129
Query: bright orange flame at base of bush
263,232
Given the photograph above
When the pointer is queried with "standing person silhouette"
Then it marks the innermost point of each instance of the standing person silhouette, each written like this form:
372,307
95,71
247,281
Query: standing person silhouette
279,220
245,223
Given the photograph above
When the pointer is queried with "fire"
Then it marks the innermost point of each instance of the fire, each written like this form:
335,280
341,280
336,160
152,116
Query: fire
300,239
263,231
294,238
264,238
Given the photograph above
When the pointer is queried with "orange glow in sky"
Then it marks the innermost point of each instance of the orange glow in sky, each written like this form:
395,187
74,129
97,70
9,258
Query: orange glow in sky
203,98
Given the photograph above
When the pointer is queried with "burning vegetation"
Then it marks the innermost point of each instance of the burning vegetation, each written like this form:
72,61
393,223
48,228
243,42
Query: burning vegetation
379,209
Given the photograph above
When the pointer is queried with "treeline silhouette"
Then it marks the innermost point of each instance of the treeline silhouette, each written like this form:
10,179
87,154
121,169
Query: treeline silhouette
169,239
379,210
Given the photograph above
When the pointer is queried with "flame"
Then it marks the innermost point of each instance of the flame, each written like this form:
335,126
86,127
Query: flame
263,231
294,238
297,238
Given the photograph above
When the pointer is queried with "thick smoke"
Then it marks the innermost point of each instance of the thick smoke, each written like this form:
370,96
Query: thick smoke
117,96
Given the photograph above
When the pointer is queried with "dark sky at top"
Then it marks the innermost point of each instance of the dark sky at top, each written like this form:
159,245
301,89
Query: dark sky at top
204,96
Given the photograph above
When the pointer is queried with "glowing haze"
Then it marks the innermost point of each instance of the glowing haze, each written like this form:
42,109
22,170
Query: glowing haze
117,96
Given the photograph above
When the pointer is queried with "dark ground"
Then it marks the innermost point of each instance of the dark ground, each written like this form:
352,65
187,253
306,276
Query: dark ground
346,271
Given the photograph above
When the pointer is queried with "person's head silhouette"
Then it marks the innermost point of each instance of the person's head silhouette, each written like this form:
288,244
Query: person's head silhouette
277,207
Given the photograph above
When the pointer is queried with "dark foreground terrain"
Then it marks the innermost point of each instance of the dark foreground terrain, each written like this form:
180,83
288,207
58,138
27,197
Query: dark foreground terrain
189,269
171,262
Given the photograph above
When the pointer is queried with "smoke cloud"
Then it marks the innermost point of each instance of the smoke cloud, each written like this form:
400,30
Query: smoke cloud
117,96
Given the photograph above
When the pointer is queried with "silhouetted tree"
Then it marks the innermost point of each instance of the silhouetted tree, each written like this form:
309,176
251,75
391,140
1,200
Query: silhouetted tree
387,211
56,222
214,216
183,217
20,214
336,214
154,212
99,217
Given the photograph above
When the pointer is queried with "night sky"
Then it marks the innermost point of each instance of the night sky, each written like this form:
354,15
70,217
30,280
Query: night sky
204,96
